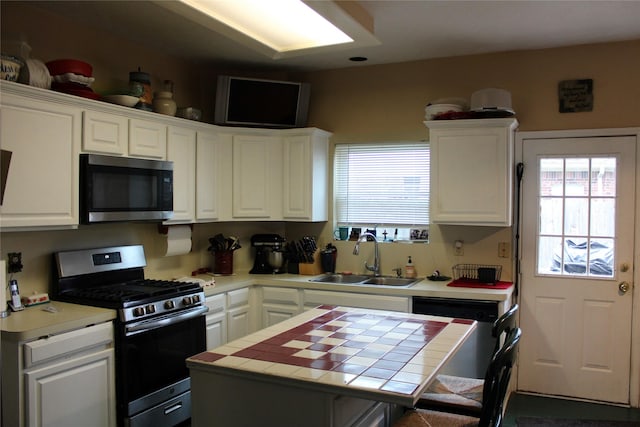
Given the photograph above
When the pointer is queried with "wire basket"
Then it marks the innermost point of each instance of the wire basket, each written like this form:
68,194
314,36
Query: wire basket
480,273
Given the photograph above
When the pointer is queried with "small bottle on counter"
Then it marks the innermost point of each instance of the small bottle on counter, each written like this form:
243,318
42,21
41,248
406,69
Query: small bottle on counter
410,270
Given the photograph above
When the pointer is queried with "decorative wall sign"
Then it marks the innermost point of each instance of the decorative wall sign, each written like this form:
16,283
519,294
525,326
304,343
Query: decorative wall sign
575,95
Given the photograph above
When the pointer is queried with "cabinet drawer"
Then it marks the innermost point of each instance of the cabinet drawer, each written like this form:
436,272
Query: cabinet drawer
216,303
238,297
280,295
47,349
314,298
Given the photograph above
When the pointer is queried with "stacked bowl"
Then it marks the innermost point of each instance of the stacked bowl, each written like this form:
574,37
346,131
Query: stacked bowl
73,77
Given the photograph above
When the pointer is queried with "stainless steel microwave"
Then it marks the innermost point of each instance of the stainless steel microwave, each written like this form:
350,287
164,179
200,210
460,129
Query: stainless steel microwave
124,189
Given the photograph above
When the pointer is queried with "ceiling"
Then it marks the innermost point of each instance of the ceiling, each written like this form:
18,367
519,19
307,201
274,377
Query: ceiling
404,30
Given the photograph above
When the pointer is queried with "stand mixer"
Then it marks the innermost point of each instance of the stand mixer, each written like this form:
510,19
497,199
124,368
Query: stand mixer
269,257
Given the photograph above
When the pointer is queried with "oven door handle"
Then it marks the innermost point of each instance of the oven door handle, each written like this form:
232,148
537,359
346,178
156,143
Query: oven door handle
147,325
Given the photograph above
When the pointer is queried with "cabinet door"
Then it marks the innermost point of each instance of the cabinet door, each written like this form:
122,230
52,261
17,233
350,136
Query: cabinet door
181,150
213,177
472,172
216,330
305,175
278,304
238,322
257,177
147,139
76,392
42,182
216,321
276,313
105,133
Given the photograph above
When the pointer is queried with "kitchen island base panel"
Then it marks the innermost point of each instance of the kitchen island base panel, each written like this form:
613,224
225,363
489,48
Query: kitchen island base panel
250,402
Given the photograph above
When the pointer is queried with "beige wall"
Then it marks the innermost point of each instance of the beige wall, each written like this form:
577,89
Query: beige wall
358,104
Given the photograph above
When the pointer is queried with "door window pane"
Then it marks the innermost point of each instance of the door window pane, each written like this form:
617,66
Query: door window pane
577,202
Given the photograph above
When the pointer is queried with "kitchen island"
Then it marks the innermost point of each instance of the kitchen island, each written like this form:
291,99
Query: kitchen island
327,367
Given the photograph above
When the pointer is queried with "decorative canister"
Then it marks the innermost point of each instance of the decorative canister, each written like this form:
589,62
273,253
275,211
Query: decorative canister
140,85
163,103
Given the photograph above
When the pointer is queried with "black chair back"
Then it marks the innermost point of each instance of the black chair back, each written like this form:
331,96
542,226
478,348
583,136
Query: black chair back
496,382
503,325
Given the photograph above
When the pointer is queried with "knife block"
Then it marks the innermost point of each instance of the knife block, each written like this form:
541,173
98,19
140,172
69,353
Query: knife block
311,268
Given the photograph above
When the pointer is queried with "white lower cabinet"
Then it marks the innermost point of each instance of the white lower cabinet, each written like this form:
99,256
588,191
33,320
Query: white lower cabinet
313,298
216,321
62,380
239,316
76,392
278,304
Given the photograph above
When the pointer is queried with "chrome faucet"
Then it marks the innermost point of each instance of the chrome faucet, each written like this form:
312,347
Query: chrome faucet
376,254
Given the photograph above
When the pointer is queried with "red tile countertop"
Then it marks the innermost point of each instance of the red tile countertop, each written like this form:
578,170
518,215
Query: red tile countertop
388,356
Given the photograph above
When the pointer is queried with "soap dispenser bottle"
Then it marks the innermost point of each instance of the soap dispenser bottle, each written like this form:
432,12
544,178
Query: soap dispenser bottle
410,270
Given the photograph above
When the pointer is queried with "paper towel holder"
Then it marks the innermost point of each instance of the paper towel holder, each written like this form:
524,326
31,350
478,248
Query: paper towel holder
164,229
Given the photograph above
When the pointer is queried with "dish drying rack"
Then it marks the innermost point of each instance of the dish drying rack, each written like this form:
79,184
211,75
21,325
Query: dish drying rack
477,273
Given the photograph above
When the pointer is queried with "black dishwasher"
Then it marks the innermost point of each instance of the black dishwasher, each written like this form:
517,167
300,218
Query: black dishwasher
474,356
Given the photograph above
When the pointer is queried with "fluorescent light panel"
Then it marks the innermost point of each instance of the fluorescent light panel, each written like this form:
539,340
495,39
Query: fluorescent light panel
283,25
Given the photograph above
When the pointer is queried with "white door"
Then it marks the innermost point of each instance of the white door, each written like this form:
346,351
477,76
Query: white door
577,211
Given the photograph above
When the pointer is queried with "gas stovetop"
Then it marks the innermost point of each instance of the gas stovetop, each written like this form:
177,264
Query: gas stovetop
114,278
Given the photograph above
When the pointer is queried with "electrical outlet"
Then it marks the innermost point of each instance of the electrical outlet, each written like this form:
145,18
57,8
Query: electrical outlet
14,262
504,250
458,248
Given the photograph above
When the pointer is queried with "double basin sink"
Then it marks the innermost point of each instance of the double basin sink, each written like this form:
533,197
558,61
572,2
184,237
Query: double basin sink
361,279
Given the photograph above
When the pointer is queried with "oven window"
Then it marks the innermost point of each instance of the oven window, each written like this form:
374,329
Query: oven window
155,359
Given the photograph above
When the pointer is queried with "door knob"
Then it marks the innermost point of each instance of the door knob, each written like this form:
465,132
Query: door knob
623,287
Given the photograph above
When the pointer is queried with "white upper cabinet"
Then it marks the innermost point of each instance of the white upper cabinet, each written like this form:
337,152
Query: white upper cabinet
105,133
213,176
147,139
257,176
220,173
305,175
42,181
181,144
472,171
115,134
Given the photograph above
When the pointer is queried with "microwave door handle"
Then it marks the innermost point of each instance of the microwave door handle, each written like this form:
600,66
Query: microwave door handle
148,325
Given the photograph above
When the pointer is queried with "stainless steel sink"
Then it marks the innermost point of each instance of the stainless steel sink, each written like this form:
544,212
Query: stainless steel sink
389,281
341,278
356,279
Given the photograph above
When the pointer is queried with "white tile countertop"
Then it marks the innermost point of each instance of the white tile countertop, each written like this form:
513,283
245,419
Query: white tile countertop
372,354
423,288
34,322
51,318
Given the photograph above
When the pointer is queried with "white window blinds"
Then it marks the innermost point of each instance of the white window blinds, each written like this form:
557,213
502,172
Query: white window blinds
382,184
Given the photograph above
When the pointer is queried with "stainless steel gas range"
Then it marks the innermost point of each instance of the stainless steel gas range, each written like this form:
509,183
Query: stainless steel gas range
159,324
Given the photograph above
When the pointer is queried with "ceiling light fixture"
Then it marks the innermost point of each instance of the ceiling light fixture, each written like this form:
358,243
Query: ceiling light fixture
282,25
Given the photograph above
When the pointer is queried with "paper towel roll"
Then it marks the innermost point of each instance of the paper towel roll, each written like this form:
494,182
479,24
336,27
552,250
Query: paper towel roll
178,240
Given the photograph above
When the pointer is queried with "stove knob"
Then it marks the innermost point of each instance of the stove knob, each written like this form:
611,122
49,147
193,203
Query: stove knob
138,311
187,301
196,298
169,305
151,309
